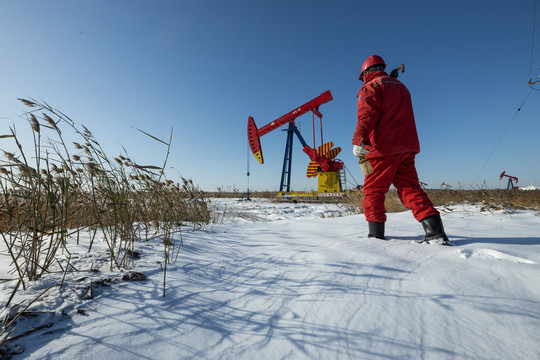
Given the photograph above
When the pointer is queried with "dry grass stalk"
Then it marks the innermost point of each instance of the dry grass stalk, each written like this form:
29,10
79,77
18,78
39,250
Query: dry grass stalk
44,202
488,198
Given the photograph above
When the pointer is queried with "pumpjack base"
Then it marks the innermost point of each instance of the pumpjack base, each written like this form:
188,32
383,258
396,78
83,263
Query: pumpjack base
329,182
309,194
329,189
310,197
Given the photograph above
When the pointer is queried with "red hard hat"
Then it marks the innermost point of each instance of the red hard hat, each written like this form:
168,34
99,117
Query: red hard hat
371,61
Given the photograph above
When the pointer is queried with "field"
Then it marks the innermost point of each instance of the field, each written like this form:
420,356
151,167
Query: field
274,280
103,257
490,198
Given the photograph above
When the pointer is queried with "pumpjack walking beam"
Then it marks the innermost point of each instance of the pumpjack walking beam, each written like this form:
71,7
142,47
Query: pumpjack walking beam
320,159
254,134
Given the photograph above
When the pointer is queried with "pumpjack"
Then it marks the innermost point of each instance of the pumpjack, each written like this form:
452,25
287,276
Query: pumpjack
322,159
511,179
445,186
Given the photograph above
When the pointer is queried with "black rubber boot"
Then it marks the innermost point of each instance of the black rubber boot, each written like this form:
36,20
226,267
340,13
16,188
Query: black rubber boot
376,230
434,229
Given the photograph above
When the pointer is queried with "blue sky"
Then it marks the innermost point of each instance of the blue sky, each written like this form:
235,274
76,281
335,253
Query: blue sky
202,67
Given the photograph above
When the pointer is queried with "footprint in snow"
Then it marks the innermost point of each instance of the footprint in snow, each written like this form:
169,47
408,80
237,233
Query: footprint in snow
492,255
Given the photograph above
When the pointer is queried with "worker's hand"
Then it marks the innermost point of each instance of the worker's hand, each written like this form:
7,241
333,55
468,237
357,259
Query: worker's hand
360,151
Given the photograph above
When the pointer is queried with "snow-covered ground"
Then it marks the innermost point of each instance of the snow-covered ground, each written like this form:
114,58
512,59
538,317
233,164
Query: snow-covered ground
301,281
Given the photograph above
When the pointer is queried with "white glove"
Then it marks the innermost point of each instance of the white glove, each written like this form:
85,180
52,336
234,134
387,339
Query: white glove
360,151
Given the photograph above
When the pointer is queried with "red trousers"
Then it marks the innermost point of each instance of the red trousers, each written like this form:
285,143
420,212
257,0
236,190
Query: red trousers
400,171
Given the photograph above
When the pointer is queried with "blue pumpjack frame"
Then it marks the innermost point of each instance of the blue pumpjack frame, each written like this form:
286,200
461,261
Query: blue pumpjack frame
287,159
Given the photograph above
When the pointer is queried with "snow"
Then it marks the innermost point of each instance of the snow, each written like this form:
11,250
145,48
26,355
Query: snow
531,187
301,281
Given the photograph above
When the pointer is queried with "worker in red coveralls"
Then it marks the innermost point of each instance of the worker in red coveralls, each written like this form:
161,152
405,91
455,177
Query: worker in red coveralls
386,135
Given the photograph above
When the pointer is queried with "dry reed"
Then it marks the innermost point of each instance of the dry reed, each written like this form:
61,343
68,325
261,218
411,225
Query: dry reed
488,198
52,191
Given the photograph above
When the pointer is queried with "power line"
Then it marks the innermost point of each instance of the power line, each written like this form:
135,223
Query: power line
531,83
248,174
501,137
351,175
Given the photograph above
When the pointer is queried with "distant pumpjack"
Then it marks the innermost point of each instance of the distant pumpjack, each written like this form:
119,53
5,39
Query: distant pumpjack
511,179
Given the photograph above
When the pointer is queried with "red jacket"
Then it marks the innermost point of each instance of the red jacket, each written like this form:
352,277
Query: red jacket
385,117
